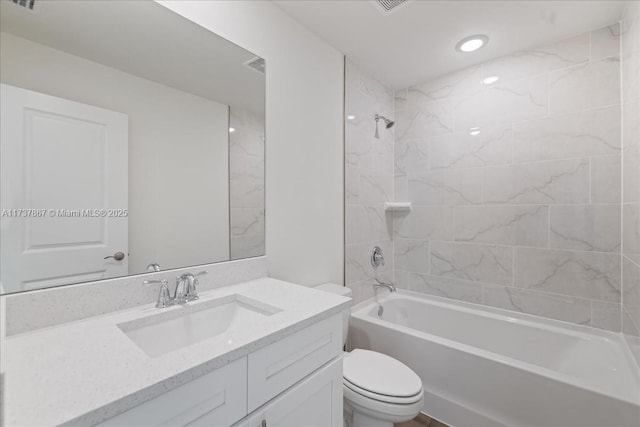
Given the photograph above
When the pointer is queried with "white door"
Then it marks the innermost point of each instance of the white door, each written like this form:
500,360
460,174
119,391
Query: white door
316,401
63,191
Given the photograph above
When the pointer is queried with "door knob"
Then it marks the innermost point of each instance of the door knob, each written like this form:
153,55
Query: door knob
118,256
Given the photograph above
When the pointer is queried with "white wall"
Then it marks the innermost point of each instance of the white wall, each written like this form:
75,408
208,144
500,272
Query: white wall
170,141
304,149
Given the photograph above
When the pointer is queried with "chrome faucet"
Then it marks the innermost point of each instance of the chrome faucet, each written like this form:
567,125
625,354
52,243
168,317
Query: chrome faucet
380,284
184,292
186,289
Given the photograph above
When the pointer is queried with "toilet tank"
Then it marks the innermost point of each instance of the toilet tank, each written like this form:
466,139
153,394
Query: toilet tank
345,292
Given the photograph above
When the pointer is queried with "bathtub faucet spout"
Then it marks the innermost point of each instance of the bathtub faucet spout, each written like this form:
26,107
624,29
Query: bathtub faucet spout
380,284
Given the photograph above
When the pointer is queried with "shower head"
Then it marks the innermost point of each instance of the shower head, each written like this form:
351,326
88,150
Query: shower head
388,123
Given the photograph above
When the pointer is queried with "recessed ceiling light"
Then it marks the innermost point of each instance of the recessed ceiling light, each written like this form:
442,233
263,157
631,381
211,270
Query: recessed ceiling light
471,43
490,80
232,129
350,117
474,131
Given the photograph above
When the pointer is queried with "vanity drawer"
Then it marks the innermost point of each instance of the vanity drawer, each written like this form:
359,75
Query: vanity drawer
280,365
217,398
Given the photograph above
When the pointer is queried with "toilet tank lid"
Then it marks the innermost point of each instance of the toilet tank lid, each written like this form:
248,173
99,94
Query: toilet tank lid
335,289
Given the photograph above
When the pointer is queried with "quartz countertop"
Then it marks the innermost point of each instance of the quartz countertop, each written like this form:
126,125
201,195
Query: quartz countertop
84,372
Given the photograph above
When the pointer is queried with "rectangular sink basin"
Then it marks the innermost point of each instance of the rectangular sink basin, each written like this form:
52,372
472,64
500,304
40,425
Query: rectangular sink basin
194,322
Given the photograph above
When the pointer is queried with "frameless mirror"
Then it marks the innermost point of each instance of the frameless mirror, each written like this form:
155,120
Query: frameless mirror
132,140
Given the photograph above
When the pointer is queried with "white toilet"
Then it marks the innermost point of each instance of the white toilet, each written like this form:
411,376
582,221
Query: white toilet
378,389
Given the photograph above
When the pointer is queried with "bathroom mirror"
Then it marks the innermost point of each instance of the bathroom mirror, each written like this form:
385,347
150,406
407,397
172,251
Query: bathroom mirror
132,141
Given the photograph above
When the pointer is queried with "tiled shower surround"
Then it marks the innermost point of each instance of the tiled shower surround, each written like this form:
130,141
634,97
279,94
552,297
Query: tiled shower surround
246,169
516,186
631,174
369,175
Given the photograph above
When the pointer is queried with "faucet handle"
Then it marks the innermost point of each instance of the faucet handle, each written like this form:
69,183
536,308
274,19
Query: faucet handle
191,291
164,297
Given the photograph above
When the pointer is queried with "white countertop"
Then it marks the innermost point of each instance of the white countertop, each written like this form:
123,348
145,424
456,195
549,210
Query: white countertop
84,372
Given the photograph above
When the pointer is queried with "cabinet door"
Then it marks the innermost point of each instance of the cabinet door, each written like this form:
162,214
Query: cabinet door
315,401
215,399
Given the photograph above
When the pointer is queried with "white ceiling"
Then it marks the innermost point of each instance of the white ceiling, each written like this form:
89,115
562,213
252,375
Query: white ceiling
416,42
145,39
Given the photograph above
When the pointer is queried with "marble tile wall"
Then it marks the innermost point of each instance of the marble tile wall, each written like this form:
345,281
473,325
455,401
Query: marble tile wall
631,175
516,186
246,184
369,176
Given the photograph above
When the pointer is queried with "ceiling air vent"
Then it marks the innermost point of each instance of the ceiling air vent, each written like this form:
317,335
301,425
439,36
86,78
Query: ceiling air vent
388,6
256,64
29,4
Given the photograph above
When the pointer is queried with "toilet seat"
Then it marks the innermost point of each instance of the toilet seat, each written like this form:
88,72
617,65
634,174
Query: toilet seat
382,378
382,397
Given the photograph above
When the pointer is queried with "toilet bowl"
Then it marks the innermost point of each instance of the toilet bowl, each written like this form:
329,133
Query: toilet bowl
378,390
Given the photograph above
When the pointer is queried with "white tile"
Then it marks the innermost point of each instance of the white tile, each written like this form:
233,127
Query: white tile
605,42
477,263
631,152
455,84
605,315
449,187
606,175
411,156
444,287
585,227
582,87
492,146
375,188
425,222
507,225
581,134
426,120
559,307
579,274
540,59
523,99
561,181
411,255
631,228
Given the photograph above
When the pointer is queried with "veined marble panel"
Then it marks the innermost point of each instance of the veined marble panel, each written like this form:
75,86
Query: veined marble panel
411,255
425,222
581,134
585,227
586,86
411,156
426,120
507,225
448,187
580,274
606,176
631,228
444,287
559,307
562,181
605,42
567,52
492,146
456,84
477,263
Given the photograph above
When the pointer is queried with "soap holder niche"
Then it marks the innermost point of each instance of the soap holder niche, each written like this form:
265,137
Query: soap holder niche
397,206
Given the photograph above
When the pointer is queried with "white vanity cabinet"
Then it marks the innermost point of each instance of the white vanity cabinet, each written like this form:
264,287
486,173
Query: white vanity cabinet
218,398
296,381
314,402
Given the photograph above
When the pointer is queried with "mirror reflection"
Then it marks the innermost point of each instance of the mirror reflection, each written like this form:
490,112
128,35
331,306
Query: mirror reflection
125,148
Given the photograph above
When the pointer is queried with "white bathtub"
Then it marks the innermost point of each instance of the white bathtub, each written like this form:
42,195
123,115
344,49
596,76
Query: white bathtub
488,367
